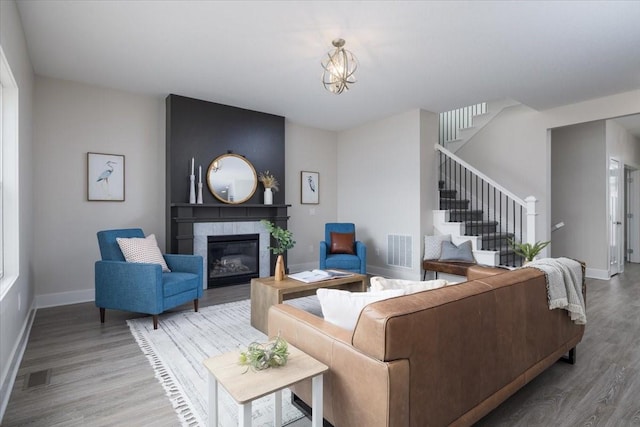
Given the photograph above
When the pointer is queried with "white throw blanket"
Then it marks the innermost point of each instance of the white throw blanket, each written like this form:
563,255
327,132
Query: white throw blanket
564,285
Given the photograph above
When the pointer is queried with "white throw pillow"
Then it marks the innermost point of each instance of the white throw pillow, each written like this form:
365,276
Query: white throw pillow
342,308
142,250
410,286
433,245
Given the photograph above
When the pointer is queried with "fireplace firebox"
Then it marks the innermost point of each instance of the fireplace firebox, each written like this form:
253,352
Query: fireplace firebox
232,259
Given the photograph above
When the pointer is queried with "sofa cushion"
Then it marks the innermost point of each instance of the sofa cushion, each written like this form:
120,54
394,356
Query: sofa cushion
433,246
460,253
342,308
409,286
142,250
342,243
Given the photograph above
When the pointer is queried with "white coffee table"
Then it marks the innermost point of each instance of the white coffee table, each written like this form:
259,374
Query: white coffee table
246,386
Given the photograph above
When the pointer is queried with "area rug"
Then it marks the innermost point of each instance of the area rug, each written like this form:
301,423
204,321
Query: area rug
185,339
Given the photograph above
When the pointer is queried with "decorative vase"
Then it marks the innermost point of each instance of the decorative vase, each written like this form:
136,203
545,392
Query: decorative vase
279,273
268,196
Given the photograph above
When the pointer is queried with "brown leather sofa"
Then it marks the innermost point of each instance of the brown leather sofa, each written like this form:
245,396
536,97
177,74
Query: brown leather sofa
443,357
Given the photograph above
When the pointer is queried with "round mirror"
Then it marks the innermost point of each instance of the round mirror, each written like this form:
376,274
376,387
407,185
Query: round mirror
232,178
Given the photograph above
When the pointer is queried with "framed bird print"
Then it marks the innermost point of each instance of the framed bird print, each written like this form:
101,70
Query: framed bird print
105,177
310,188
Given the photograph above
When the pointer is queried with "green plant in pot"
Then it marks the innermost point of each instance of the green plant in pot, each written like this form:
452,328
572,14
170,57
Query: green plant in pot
528,251
263,356
284,242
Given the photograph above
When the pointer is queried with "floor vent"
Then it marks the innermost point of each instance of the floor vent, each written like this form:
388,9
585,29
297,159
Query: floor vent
37,379
399,251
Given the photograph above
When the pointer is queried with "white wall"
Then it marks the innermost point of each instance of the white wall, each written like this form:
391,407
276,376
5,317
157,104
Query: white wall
579,194
622,145
72,119
16,307
381,186
309,149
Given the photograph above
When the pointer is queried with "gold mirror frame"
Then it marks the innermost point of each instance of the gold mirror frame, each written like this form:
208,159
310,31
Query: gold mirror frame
232,179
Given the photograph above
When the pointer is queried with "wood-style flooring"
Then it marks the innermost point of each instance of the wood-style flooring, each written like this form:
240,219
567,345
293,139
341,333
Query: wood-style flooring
98,376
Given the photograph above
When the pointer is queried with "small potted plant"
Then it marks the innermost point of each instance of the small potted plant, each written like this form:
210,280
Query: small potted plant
263,356
527,250
270,185
284,242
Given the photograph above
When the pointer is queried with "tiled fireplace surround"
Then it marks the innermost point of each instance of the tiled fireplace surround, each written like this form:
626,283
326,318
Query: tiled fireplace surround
190,225
202,230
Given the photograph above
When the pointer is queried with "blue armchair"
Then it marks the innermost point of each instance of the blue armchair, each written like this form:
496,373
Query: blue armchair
355,262
140,287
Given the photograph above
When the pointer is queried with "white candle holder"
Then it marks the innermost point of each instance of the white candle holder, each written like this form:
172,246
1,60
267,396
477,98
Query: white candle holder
199,193
192,189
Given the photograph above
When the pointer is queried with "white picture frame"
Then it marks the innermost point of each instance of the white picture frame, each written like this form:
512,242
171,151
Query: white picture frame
309,188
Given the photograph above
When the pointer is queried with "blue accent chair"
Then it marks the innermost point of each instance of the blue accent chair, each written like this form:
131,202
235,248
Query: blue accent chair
355,263
143,288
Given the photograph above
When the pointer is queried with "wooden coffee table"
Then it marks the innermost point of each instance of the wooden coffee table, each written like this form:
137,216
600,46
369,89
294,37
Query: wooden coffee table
266,291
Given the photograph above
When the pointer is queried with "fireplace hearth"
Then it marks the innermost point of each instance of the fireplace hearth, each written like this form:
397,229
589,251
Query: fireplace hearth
232,259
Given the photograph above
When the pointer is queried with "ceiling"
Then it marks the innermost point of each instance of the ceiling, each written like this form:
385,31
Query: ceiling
266,55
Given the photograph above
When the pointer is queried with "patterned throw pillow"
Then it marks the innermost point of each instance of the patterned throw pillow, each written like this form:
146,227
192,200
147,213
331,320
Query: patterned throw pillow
142,250
461,253
432,245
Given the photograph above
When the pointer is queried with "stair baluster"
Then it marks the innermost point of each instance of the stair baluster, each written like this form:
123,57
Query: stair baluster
471,196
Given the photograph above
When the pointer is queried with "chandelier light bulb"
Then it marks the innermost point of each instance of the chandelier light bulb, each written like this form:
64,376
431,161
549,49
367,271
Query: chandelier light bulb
339,68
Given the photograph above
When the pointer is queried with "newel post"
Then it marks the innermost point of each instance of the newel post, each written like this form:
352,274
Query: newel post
531,219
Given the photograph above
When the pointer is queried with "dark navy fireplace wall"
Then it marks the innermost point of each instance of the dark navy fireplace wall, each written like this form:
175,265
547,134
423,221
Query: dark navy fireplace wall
205,130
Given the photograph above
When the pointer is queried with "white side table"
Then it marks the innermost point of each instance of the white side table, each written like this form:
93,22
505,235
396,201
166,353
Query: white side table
246,386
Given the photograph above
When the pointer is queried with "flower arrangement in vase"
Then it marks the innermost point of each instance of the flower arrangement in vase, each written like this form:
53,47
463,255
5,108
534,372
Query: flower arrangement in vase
270,185
284,242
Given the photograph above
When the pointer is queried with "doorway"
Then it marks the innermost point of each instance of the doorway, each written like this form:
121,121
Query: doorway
616,246
632,214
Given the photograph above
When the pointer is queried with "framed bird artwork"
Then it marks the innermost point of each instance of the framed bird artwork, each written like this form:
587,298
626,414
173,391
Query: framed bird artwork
309,188
105,177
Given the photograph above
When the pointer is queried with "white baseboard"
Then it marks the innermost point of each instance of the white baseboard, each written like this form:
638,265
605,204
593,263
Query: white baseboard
65,298
14,362
597,273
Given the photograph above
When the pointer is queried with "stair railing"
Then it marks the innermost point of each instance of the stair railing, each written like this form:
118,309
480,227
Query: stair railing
461,118
515,216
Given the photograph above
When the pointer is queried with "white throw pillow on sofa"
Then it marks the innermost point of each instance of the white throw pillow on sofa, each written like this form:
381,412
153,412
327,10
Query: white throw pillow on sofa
379,283
342,308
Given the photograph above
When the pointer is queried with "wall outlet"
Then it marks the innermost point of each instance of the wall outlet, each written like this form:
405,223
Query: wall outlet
310,248
312,211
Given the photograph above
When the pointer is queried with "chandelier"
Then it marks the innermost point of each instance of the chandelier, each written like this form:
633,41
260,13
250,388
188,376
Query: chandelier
339,67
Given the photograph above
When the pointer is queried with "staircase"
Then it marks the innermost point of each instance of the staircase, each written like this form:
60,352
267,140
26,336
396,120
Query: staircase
474,207
491,244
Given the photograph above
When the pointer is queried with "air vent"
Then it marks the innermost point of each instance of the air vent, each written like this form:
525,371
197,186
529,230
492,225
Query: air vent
399,250
37,378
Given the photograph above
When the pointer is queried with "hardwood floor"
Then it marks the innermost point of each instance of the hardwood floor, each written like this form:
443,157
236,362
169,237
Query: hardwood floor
98,376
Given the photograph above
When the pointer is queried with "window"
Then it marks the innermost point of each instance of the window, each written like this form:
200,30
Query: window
9,206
